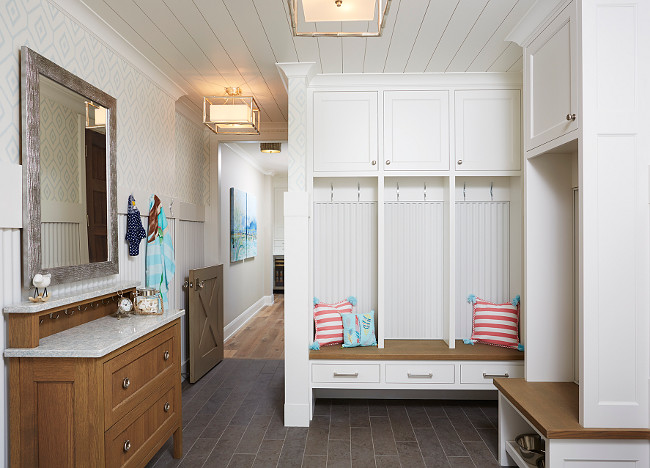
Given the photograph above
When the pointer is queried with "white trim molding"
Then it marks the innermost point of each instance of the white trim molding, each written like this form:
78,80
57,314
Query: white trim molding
89,20
243,318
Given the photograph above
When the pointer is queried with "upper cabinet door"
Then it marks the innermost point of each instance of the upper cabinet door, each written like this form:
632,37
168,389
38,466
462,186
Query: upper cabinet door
345,131
488,130
551,79
416,130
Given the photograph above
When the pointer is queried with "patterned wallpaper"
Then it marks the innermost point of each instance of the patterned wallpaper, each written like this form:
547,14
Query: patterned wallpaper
193,161
146,117
59,152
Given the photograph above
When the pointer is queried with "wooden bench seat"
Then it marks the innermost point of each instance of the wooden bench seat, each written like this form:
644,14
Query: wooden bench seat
419,350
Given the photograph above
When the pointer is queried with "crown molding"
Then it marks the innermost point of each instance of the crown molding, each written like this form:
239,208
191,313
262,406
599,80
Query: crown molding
531,24
189,110
417,80
287,70
83,15
235,148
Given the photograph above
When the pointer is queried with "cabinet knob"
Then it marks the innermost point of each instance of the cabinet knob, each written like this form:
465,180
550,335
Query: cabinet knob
127,446
166,356
570,117
374,162
166,407
459,162
388,162
125,383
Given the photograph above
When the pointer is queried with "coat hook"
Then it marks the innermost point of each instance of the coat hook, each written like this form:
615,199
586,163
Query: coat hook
425,191
171,209
491,193
397,191
331,192
358,191
54,318
464,192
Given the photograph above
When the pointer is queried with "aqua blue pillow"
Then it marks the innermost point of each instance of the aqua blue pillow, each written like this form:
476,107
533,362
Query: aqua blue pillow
359,329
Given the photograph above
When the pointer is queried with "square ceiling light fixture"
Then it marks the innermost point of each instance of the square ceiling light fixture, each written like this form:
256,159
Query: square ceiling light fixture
232,114
306,12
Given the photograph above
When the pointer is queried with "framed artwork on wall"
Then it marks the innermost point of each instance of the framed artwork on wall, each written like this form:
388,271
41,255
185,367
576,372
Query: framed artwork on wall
243,225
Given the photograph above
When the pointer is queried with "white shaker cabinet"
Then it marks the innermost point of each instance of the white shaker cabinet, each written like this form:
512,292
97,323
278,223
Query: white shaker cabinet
416,130
551,100
488,130
345,131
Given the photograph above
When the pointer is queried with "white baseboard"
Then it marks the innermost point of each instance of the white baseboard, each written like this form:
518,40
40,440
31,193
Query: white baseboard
243,318
296,415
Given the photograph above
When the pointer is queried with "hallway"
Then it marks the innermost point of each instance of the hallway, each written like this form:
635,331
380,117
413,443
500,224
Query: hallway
262,337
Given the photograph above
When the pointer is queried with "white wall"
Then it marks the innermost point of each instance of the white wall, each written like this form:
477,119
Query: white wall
245,282
149,160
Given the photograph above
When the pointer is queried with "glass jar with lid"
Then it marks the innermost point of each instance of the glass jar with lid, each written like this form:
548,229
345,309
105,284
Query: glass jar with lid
148,301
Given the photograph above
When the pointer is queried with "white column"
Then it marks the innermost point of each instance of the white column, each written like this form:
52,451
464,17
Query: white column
613,167
297,268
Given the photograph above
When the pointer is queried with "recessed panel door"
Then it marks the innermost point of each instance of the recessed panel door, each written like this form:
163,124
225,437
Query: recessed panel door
416,130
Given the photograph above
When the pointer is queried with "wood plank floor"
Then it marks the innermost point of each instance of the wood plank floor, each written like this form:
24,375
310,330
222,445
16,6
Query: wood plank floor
262,337
233,417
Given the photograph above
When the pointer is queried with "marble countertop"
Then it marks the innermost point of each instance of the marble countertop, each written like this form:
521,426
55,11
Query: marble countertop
97,338
81,295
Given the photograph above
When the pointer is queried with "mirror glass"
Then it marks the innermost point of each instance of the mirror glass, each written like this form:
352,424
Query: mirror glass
69,161
72,177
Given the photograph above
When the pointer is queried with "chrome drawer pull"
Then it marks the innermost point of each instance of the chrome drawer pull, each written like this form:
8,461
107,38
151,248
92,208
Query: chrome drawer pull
127,446
495,376
166,356
125,383
166,407
346,374
420,376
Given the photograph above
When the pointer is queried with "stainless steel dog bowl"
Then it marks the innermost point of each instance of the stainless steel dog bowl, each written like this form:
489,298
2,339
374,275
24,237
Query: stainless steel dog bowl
531,448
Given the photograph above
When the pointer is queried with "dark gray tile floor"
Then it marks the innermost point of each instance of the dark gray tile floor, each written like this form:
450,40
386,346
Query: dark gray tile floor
232,417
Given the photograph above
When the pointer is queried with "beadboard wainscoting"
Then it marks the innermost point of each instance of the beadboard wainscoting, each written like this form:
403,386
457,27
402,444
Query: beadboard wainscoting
414,270
345,247
482,257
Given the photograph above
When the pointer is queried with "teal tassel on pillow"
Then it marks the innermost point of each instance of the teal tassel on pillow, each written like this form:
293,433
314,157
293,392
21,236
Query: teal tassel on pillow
520,347
515,301
316,301
468,341
352,300
315,346
471,298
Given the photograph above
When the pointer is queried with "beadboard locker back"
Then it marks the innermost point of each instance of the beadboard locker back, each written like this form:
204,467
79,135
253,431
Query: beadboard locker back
482,257
345,253
414,269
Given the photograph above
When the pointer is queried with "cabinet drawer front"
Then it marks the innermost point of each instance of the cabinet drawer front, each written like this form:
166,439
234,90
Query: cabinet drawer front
342,373
484,373
132,375
132,438
420,373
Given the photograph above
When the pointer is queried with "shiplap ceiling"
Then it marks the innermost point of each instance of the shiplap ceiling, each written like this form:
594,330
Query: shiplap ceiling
206,45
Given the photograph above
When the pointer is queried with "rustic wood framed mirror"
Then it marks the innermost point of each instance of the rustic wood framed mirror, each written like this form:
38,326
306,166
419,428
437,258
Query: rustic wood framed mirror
69,158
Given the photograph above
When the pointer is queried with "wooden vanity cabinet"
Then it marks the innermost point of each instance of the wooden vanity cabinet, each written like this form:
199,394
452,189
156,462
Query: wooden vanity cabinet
117,410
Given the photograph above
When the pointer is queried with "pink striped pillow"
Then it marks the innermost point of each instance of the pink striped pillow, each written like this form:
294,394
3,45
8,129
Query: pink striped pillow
329,325
496,324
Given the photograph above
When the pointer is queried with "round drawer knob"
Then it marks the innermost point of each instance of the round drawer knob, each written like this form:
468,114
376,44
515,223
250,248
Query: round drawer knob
374,162
166,407
388,162
126,382
127,446
460,161
166,356
570,117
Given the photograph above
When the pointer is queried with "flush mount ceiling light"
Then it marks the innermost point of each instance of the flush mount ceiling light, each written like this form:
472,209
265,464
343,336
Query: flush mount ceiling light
232,114
95,115
271,147
340,12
